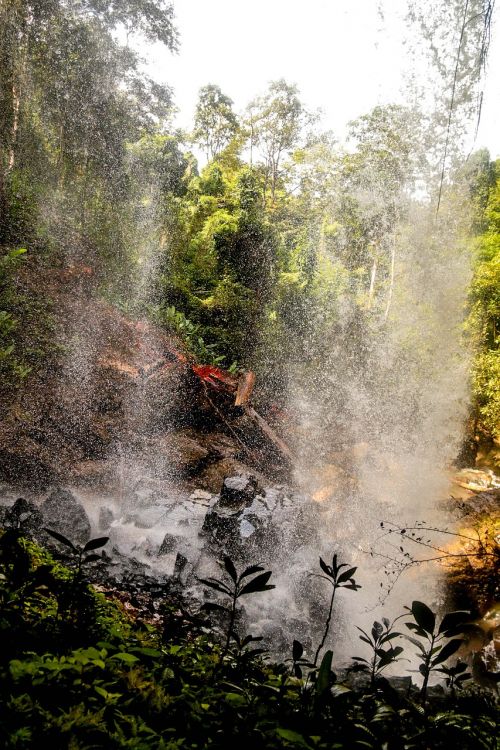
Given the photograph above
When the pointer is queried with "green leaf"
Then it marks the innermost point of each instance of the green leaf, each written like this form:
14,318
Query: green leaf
448,650
416,643
297,650
323,681
61,538
213,583
346,575
231,570
293,737
453,621
325,568
424,617
145,651
91,558
259,583
338,690
125,658
96,543
250,571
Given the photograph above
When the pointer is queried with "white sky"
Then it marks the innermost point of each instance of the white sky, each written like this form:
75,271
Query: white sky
343,56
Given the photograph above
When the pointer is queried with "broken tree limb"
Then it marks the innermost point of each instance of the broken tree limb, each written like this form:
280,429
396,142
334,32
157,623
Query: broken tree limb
278,443
246,383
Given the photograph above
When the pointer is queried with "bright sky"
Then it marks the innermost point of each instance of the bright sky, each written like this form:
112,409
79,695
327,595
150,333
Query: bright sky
344,57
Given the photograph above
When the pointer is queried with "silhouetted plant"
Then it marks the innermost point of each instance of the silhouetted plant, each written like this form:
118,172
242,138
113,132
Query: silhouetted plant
338,580
436,647
78,553
455,676
297,661
383,652
238,587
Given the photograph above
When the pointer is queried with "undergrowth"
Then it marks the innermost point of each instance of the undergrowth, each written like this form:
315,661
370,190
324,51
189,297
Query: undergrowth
78,672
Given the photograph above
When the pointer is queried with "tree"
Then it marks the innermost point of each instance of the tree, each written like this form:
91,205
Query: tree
275,122
484,316
215,122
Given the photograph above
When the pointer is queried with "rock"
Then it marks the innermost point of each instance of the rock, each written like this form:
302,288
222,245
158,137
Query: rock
143,498
238,492
185,456
146,518
181,570
246,528
63,513
24,515
93,472
202,497
476,480
168,545
222,527
402,685
106,518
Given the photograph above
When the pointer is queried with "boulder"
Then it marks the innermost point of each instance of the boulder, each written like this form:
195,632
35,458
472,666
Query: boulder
63,513
24,515
222,527
168,545
146,518
106,518
238,492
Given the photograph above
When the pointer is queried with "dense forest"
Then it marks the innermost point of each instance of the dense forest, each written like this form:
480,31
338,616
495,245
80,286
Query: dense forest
251,257
358,278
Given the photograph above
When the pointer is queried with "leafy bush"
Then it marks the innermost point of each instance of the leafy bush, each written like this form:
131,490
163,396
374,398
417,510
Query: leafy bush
127,685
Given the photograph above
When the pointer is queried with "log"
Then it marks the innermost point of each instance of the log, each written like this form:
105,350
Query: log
278,443
246,383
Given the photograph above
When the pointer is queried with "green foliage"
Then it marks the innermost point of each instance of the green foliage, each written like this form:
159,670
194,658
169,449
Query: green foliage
484,316
123,685
215,122
12,368
253,580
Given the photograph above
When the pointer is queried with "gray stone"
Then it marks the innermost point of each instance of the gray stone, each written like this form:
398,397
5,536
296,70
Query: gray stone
106,518
222,527
23,514
402,685
238,492
63,513
168,545
146,518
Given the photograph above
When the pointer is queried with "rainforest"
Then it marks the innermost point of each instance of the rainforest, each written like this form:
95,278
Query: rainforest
249,375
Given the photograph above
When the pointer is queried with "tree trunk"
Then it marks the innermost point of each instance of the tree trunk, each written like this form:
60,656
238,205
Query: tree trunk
391,282
371,291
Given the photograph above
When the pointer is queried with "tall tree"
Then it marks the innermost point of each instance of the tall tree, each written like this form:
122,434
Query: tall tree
275,122
215,122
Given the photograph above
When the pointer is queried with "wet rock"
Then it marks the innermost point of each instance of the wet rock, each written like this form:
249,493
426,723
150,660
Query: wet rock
238,492
185,456
201,497
106,518
168,545
181,568
402,685
246,528
222,527
24,515
93,472
146,518
63,513
143,497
